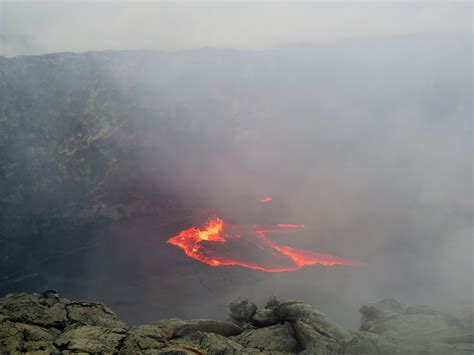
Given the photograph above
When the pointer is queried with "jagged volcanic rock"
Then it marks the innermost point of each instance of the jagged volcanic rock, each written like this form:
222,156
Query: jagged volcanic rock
47,323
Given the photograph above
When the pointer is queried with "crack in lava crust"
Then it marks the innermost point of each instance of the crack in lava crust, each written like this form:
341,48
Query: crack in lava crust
216,245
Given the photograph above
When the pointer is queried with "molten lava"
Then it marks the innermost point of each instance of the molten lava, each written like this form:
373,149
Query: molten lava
248,246
266,199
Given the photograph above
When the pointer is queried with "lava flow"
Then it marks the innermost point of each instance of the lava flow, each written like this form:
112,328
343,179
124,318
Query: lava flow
265,199
248,246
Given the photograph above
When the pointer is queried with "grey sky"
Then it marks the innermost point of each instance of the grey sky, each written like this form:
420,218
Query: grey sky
33,27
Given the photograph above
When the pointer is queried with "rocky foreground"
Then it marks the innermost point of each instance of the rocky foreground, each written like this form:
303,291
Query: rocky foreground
47,323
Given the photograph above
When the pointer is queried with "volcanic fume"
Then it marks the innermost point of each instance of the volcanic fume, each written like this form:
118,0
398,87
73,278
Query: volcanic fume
219,243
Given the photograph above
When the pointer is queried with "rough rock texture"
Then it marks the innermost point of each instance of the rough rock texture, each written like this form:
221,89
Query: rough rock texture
264,318
278,337
207,325
410,323
242,309
46,323
390,327
315,332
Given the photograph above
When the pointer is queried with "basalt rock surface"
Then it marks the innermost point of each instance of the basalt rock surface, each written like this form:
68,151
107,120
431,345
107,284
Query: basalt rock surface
47,323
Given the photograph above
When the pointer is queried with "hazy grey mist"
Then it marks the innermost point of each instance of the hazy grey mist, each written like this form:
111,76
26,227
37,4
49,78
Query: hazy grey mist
38,26
355,117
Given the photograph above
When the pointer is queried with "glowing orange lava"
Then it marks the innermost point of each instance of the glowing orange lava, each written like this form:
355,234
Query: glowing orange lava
266,199
248,246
